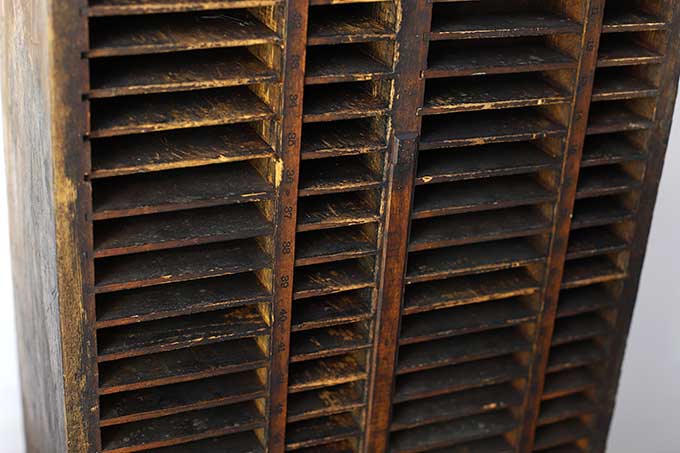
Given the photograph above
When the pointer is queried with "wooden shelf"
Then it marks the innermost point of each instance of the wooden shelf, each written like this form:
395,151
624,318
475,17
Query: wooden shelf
604,180
483,161
176,299
336,309
584,300
138,35
579,327
176,265
333,211
342,63
470,259
599,211
324,279
175,190
321,431
466,290
454,432
609,149
344,138
614,84
568,382
476,227
341,174
246,442
328,341
178,229
621,19
605,118
617,51
494,126
180,332
131,7
560,433
336,244
325,402
177,72
574,355
454,378
316,374
456,405
588,271
345,24
584,243
176,149
472,196
180,366
175,429
465,59
177,398
170,111
559,409
498,25
460,349
342,101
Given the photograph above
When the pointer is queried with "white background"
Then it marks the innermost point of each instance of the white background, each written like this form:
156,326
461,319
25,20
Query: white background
647,419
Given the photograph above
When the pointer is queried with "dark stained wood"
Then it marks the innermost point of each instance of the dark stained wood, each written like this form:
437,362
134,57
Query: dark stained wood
324,402
608,149
246,442
346,174
337,210
123,7
567,382
321,431
344,138
560,433
341,308
345,24
317,374
617,51
558,409
326,64
332,245
328,341
341,102
622,19
330,278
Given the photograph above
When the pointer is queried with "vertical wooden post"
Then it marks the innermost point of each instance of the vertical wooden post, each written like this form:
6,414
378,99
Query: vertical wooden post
410,86
288,166
592,25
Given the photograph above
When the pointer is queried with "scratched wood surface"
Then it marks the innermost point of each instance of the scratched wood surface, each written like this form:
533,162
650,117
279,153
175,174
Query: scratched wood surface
331,225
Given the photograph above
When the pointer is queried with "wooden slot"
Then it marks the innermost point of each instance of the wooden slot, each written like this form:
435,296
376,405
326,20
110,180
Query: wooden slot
474,93
180,428
604,180
476,227
321,431
325,402
448,59
180,332
453,406
579,327
559,409
336,244
330,278
625,19
583,300
176,398
599,211
344,138
176,149
343,446
470,196
470,259
150,34
132,7
328,341
176,299
176,265
494,444
609,149
345,24
246,442
460,349
588,271
337,210
342,101
560,433
178,229
584,243
454,378
475,128
615,50
342,63
316,374
568,382
569,448
483,161
170,111
613,84
181,365
175,190
454,432
340,174
608,117
335,309
467,290
574,355
460,320
449,23
182,71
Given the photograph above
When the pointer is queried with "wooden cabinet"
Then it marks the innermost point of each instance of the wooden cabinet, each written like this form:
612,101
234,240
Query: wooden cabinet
330,225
